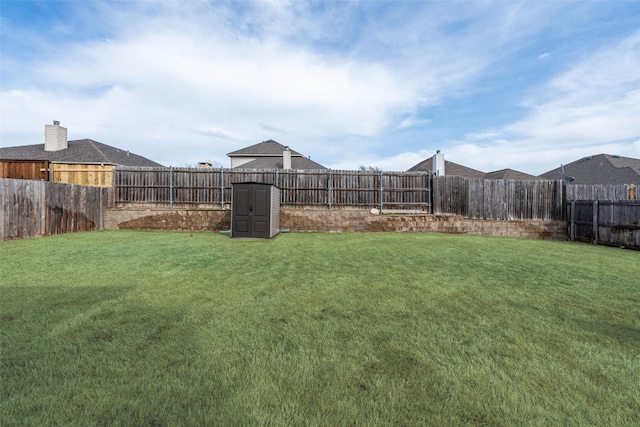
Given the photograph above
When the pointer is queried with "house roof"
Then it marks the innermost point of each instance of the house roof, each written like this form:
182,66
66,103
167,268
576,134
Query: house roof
268,155
599,169
450,168
84,151
276,163
264,148
509,174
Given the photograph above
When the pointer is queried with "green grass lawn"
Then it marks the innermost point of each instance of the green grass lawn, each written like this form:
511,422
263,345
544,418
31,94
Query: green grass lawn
160,328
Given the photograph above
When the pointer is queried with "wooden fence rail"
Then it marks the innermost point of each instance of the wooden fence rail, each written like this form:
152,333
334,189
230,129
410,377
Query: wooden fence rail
42,208
601,192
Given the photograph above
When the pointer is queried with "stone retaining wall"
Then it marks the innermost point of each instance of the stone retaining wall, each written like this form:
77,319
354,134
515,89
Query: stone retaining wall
167,219
315,220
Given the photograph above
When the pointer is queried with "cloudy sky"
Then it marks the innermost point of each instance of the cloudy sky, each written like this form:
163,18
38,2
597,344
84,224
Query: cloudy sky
492,84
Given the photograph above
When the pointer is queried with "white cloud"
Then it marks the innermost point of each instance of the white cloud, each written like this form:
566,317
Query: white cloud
351,160
590,109
155,85
212,78
184,81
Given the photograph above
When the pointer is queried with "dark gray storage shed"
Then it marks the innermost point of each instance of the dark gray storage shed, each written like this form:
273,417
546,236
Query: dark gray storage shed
255,210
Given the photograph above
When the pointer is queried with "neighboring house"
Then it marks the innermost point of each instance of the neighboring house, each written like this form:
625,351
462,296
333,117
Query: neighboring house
84,161
508,174
450,168
598,169
435,163
271,155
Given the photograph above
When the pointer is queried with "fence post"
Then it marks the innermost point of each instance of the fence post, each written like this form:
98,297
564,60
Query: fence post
380,192
283,195
222,188
572,224
101,210
595,222
45,215
330,190
632,192
171,187
429,194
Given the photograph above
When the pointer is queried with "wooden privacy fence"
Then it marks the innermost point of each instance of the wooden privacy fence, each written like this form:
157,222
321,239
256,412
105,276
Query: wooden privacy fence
605,222
472,198
81,174
499,199
516,199
329,188
41,208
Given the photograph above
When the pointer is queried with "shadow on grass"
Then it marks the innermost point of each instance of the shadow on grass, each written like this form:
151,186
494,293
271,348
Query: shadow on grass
115,357
625,335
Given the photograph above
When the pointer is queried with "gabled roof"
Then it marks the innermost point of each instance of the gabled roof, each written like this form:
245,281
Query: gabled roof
450,168
276,163
268,155
82,151
264,148
598,169
508,174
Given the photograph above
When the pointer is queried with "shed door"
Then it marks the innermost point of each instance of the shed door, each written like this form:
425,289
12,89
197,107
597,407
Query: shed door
251,211
241,216
260,218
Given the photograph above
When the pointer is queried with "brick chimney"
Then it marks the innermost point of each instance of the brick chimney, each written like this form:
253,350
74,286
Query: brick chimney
55,137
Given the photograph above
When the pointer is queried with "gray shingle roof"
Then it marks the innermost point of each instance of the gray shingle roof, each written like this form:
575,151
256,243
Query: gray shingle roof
599,169
450,168
264,148
276,162
509,174
83,151
269,156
